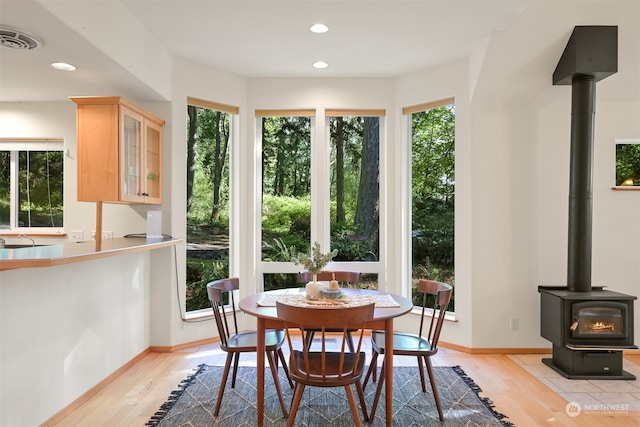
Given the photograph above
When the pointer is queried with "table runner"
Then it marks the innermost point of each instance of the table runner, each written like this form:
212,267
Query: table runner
350,300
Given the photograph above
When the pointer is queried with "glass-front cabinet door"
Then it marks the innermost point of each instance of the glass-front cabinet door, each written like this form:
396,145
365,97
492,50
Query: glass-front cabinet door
119,151
131,155
152,162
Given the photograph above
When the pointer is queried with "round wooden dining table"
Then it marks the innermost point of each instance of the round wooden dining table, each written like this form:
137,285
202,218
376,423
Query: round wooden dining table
262,306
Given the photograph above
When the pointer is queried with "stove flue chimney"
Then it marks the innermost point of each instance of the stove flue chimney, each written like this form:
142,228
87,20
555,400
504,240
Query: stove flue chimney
590,56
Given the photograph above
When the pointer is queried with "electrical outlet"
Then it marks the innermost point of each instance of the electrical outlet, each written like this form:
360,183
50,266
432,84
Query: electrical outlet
514,322
76,236
105,235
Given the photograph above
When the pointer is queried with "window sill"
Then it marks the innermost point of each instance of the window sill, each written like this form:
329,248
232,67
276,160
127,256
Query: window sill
449,316
202,314
626,188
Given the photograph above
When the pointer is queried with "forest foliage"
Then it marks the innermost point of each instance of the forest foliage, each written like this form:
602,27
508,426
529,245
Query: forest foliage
40,190
628,164
286,187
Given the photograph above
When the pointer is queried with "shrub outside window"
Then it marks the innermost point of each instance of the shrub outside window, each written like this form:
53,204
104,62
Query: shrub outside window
31,185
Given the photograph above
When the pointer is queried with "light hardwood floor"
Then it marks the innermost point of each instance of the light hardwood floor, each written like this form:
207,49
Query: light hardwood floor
133,397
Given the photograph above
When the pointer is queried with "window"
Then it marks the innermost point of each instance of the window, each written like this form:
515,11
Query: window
209,137
286,190
354,174
627,164
320,184
31,185
433,191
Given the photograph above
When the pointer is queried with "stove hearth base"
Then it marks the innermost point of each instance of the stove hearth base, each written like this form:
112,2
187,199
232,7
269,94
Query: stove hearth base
588,364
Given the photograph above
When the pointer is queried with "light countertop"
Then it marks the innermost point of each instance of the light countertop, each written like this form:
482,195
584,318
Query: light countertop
51,255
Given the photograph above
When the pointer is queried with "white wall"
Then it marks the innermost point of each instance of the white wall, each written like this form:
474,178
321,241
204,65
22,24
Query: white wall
451,80
616,224
191,80
66,328
50,120
58,120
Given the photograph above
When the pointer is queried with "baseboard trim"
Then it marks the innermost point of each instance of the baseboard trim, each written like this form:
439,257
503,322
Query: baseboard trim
179,347
450,346
545,350
469,350
95,389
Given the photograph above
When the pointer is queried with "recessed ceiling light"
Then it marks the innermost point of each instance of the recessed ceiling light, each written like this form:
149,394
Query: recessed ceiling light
319,28
63,66
320,64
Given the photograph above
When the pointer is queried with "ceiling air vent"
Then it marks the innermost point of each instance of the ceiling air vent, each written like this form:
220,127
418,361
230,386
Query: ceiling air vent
17,39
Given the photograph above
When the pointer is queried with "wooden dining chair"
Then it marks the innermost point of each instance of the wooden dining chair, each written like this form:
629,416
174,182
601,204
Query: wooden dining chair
326,368
345,278
233,342
422,345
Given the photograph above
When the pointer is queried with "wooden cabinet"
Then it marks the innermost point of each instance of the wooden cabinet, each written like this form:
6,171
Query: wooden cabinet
119,151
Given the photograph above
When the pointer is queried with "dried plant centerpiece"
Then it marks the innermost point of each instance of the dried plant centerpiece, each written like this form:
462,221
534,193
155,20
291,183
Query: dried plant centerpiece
314,263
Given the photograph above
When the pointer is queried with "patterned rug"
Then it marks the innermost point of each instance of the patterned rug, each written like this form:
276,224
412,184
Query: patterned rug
193,403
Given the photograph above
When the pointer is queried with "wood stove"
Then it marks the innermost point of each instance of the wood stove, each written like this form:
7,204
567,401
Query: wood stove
588,326
589,331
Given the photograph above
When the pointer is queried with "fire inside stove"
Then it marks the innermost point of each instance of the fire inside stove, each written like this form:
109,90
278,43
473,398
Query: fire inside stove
602,327
592,321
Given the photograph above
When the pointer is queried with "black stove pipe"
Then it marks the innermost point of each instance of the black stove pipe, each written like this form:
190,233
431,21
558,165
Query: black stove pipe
583,98
591,55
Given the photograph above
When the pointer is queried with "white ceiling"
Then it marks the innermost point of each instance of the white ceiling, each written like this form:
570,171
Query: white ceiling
249,38
366,38
264,38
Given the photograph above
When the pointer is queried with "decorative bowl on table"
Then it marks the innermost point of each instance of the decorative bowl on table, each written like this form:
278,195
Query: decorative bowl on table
329,293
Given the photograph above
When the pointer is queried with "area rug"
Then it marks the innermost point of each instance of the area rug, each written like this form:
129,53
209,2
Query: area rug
192,404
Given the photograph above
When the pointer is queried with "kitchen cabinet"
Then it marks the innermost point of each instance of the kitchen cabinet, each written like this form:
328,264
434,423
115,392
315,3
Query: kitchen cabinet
119,151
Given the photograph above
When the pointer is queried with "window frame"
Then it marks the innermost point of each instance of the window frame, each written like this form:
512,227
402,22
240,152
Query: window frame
13,146
276,267
407,113
364,267
320,197
234,192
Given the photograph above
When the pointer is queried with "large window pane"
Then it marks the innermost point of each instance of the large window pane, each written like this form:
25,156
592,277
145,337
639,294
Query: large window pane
355,148
286,193
291,179
433,194
40,189
5,189
31,185
208,136
286,186
355,191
